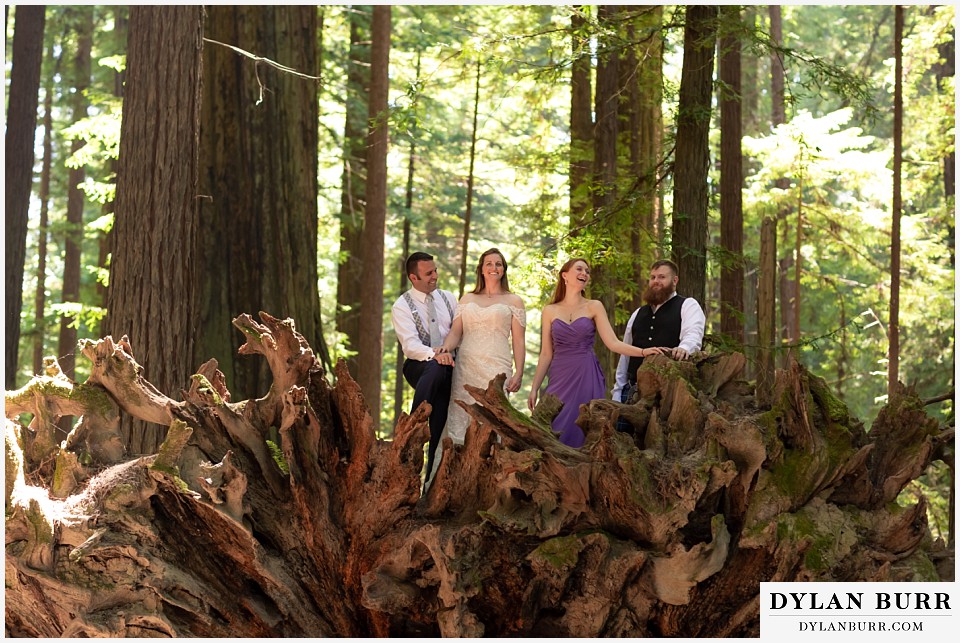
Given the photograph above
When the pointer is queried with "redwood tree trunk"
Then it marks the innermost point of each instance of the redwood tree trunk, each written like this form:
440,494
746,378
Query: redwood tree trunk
605,153
353,190
76,198
650,100
731,182
156,204
690,195
767,310
778,117
893,354
18,170
581,121
371,321
258,166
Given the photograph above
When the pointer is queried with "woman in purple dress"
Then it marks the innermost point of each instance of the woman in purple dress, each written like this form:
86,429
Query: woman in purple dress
569,323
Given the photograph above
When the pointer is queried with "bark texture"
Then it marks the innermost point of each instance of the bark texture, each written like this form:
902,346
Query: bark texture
157,200
18,169
690,194
285,515
369,361
353,196
76,198
258,168
731,180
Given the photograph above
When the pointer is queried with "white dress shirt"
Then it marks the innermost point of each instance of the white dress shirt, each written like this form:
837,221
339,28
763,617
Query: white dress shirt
692,324
406,328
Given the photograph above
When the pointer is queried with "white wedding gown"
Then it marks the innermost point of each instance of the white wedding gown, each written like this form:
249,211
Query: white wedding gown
485,351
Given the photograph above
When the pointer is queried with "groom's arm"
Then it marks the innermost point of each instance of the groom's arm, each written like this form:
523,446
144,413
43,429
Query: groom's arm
406,330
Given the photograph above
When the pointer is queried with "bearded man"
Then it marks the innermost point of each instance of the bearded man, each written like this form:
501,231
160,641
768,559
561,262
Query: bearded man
668,322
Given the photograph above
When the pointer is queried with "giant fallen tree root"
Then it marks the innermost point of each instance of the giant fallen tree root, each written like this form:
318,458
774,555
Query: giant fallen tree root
286,516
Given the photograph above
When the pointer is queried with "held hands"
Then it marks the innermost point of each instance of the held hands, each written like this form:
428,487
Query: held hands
676,353
443,357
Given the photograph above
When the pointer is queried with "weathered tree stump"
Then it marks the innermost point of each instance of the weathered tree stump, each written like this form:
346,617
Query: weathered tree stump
286,516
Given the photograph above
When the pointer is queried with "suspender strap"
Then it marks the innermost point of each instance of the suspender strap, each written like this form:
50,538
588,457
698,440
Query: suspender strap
421,329
447,303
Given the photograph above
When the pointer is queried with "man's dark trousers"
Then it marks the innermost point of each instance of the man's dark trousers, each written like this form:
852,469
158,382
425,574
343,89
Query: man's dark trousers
431,382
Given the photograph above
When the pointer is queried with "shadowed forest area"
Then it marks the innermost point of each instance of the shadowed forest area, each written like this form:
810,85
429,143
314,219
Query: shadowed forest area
208,210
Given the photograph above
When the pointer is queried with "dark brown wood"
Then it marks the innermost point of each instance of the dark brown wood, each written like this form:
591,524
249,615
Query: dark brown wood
258,165
766,310
76,198
692,155
18,169
353,197
731,179
605,164
157,188
667,531
893,328
375,215
788,294
581,121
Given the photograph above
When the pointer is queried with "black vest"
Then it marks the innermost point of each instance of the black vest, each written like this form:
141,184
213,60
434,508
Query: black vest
655,329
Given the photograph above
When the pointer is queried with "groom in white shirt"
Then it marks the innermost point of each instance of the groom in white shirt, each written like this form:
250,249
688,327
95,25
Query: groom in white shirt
421,319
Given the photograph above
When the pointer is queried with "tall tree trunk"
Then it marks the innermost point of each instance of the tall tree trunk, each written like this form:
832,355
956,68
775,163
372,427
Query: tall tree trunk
371,321
353,190
581,121
120,20
18,172
893,328
642,96
750,77
767,311
399,386
76,198
778,117
731,181
40,296
650,74
604,186
154,291
468,214
258,160
690,197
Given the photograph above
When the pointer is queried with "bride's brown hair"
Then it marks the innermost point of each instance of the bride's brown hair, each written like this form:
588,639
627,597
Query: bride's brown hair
504,283
560,290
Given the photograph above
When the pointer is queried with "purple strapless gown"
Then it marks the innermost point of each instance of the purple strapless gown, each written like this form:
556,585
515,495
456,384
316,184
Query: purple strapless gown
575,376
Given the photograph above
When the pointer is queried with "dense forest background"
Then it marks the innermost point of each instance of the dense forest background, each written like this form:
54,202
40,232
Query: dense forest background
192,164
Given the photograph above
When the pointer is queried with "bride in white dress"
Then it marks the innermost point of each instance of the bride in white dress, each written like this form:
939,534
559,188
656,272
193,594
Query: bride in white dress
488,326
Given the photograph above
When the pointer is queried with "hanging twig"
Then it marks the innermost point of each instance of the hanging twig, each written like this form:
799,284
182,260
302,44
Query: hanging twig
260,59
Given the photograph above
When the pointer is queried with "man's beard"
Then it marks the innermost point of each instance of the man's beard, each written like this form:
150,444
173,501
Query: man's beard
655,297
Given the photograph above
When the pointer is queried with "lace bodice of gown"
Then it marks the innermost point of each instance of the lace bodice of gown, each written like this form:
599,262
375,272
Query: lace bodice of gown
485,351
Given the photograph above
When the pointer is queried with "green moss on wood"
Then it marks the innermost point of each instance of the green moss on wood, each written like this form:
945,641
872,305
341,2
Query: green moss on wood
559,552
205,387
